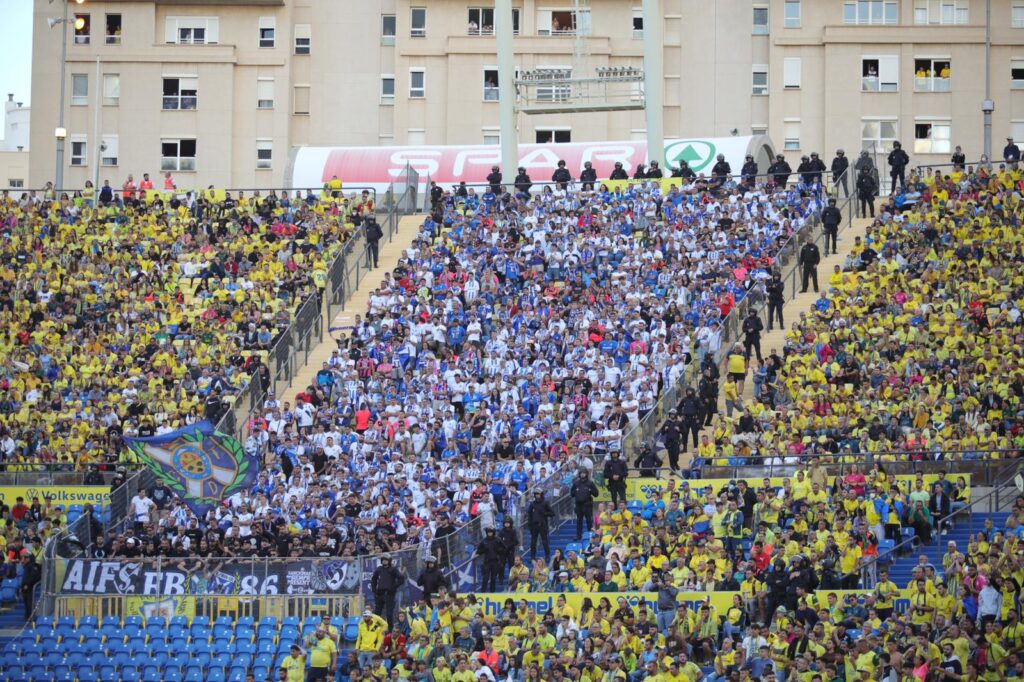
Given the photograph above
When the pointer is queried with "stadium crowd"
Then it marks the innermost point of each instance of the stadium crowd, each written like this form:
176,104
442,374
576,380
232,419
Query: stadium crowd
517,332
913,347
922,323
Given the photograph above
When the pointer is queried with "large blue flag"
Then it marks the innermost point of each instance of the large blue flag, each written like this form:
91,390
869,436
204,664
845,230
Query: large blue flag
200,464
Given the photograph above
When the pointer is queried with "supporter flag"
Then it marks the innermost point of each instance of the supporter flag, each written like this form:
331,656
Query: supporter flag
200,464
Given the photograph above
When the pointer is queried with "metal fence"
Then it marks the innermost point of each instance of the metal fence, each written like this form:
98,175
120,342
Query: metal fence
985,467
212,606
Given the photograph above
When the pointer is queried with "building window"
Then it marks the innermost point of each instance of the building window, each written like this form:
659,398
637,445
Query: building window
178,155
1017,130
264,154
759,129
300,95
563,22
492,136
553,135
192,30
791,72
108,150
931,75
416,137
760,20
388,26
83,29
870,12
265,93
1017,74
387,89
760,79
638,23
181,93
16,183
268,27
111,89
940,12
303,38
880,74
79,150
1017,15
791,14
417,83
113,29
79,89
418,22
791,135
877,135
481,21
490,84
932,137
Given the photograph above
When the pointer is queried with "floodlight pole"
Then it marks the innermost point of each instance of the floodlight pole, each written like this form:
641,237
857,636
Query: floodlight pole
506,90
654,81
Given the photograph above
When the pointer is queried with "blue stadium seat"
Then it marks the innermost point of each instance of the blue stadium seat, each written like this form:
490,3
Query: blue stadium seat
43,623
193,673
200,633
236,674
244,660
351,630
111,632
131,631
75,659
158,621
270,621
574,547
111,621
151,674
63,673
178,646
288,632
172,675
38,672
179,620
18,675
134,621
87,675
245,620
53,659
263,661
215,675
154,631
224,620
130,674
266,646
175,630
293,621
221,661
260,673
66,620
245,646
221,630
201,620
88,621
108,673
202,658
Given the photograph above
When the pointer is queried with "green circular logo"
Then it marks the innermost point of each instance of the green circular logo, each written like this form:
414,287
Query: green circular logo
697,153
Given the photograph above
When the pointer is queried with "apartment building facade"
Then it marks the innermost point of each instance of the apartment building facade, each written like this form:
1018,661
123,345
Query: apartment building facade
221,92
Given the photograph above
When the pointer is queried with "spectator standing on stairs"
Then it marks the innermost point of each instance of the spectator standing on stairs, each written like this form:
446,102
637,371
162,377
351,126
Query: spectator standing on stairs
708,391
867,189
30,577
690,410
538,518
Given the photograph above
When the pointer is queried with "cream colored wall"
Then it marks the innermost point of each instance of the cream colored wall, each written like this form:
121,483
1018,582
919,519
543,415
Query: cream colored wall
709,53
13,166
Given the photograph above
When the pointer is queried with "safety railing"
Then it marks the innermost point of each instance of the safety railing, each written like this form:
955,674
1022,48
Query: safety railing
211,606
216,193
985,467
35,475
994,501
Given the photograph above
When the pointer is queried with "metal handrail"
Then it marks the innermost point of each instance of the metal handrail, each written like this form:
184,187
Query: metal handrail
868,569
198,191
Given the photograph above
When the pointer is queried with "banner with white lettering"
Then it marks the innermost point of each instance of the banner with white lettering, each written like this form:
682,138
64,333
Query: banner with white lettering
229,577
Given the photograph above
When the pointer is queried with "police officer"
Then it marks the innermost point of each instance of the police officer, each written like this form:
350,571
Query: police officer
523,182
583,491
689,408
830,219
749,171
654,171
685,172
810,256
804,169
898,162
618,173
671,433
432,579
538,514
752,327
840,171
615,472
492,559
648,461
384,584
817,168
708,391
639,173
867,189
509,541
494,178
588,176
721,170
776,290
561,176
780,170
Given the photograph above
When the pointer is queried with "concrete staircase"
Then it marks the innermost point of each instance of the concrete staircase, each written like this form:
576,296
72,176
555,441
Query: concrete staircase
390,252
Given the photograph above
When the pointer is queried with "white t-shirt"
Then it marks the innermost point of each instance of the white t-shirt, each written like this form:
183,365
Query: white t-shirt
141,506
